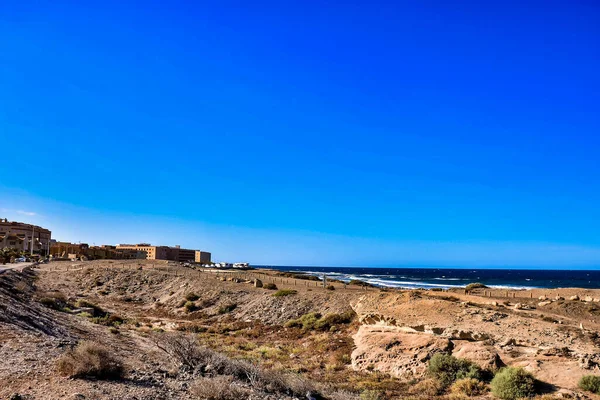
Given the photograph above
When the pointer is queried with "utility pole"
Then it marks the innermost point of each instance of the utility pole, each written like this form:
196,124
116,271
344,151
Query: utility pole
32,238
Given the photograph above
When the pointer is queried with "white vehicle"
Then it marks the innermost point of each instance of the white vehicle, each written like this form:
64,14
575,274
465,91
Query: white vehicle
20,259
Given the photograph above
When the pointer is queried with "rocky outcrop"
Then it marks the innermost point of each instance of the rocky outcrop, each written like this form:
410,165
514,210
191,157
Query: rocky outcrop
401,331
482,354
391,350
19,310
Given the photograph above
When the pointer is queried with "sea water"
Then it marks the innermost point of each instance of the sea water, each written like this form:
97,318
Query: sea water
432,277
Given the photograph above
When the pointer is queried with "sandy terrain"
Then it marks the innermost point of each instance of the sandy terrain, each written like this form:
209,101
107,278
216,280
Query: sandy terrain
384,349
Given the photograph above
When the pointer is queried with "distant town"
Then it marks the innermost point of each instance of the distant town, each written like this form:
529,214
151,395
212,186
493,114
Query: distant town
19,240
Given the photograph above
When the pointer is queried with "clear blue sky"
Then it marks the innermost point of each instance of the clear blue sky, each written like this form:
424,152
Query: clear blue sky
358,133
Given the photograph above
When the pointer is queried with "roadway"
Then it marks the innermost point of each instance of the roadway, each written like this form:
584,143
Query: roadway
15,266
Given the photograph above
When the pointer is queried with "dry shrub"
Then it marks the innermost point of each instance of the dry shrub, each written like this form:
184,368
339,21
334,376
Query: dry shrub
54,300
227,308
343,395
108,320
91,360
96,310
370,395
219,388
468,387
270,286
315,321
207,303
428,388
191,297
185,351
22,286
296,384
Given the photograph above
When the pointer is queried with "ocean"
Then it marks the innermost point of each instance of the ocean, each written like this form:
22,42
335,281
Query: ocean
428,278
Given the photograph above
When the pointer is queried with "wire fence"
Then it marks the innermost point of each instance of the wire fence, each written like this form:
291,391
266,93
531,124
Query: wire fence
249,276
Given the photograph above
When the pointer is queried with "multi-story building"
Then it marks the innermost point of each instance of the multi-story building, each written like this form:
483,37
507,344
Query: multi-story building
26,237
146,251
176,253
112,253
83,250
67,249
202,257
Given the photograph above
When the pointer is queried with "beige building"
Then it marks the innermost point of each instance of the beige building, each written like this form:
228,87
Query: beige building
176,253
202,257
147,251
26,237
64,250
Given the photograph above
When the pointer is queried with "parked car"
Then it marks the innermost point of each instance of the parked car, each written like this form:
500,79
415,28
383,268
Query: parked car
20,259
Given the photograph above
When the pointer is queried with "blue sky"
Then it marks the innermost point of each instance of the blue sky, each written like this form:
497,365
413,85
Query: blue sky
305,133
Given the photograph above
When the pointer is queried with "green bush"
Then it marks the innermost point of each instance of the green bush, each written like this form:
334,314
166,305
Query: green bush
591,383
284,292
299,275
448,369
96,310
191,297
190,306
513,383
331,320
306,322
108,320
314,321
52,303
270,286
330,287
475,285
227,308
359,283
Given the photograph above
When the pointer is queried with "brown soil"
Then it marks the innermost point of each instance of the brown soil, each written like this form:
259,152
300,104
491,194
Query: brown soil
385,349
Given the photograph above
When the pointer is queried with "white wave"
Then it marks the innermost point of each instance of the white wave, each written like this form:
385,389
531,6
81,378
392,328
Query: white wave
408,282
513,287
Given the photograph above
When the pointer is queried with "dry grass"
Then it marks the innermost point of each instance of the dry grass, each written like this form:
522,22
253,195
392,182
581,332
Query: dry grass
468,387
428,388
219,388
185,351
91,360
343,395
